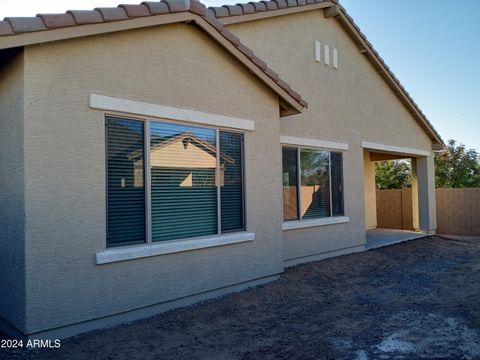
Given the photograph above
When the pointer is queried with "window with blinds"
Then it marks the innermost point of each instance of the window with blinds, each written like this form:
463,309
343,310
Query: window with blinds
183,163
231,181
312,183
195,185
336,161
125,182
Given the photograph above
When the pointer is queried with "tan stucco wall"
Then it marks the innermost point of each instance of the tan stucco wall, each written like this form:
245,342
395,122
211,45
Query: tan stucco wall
174,65
12,209
369,192
348,105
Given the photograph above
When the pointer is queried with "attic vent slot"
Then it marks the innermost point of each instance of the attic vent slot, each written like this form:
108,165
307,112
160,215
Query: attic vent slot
335,58
326,54
317,51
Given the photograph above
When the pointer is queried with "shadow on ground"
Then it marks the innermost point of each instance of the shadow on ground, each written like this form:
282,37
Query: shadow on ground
413,300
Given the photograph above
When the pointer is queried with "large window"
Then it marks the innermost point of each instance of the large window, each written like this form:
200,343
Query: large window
312,183
194,181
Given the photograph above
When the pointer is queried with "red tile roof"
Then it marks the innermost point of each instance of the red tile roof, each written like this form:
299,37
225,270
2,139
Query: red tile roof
12,26
254,7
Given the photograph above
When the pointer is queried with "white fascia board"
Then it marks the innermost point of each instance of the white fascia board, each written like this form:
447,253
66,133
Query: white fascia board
394,149
108,103
170,247
291,140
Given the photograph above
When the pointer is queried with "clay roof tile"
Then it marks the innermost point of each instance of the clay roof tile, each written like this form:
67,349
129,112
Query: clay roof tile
220,11
270,5
157,7
86,16
198,8
259,6
234,10
57,20
135,10
177,5
281,4
26,24
247,8
5,28
112,14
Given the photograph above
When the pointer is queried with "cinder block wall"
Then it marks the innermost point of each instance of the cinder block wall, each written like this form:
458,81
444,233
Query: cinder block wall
458,210
394,209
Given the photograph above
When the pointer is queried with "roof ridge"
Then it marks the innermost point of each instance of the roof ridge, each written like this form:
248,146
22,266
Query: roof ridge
15,26
261,6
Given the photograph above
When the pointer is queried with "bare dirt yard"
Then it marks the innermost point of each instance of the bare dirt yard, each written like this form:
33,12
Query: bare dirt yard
419,299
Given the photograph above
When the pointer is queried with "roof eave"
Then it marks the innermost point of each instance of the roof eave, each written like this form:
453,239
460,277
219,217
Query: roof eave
77,31
290,101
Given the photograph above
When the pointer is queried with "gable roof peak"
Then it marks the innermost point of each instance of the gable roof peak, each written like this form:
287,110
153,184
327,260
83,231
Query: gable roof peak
20,31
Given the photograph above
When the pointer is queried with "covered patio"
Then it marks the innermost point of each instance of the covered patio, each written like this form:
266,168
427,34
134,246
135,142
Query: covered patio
377,238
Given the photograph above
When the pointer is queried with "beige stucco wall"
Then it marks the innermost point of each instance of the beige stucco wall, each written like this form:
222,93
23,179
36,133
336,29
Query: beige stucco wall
12,209
174,65
348,105
369,192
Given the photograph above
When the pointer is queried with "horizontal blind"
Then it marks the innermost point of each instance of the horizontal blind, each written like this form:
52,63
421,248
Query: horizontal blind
315,183
337,183
231,178
183,163
125,182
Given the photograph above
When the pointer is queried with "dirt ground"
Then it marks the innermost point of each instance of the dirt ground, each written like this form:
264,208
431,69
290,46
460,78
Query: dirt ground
413,300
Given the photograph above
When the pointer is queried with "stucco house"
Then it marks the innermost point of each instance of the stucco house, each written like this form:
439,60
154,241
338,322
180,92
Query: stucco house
155,155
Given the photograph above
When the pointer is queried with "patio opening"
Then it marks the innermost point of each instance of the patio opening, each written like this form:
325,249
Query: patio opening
391,198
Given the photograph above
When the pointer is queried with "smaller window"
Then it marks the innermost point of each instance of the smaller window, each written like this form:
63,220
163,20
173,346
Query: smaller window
312,183
290,182
126,184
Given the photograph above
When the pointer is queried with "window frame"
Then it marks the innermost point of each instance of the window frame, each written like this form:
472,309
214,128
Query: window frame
148,183
320,220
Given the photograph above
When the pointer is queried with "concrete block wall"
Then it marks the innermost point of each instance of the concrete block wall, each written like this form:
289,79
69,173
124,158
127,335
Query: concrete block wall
394,209
458,210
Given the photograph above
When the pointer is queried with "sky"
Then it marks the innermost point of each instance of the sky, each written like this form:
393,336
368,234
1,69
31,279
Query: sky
430,45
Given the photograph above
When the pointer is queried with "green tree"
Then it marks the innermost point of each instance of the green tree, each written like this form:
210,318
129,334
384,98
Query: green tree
457,167
393,174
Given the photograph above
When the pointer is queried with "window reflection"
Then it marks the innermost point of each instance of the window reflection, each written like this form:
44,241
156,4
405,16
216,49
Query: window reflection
183,162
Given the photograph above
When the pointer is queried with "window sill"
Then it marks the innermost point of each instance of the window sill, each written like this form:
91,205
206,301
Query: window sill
170,247
301,224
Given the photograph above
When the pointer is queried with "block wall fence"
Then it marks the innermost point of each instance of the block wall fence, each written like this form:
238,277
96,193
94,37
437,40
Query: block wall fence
458,210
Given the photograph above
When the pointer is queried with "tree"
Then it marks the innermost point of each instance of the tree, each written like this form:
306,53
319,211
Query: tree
457,167
393,174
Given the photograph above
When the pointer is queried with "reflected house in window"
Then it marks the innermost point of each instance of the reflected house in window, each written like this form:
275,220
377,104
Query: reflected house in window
190,157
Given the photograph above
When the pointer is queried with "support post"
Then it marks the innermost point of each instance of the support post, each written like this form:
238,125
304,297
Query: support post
427,212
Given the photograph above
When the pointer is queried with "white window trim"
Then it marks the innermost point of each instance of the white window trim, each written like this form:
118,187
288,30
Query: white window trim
394,149
301,224
124,253
329,145
102,102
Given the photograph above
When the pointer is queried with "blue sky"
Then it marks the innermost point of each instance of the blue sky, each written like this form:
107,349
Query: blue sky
432,46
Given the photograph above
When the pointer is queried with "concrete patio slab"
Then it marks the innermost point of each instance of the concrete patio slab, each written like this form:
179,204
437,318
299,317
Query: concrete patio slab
377,238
